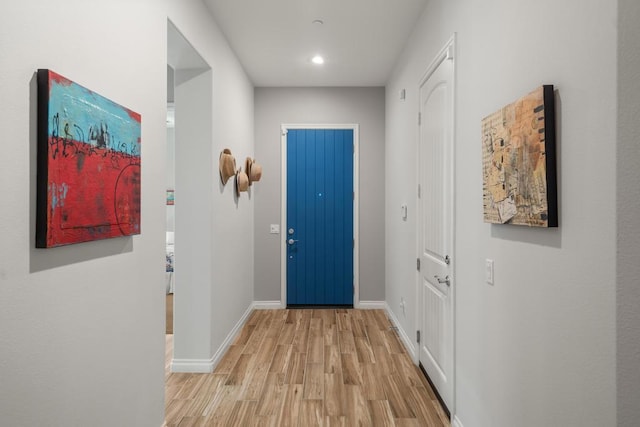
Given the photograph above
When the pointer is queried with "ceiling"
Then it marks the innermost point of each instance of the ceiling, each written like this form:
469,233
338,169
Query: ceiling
275,40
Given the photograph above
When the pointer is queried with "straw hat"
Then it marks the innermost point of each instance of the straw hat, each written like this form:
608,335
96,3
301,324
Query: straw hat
254,170
227,165
242,182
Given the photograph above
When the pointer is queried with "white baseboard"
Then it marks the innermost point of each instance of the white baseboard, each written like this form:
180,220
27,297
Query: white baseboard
372,305
455,422
196,366
230,337
272,305
207,365
408,343
267,305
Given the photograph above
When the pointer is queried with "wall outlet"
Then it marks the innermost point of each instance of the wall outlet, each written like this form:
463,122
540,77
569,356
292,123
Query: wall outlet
274,229
488,271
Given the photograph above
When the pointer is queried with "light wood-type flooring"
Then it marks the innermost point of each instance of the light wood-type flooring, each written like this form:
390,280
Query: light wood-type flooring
307,368
169,310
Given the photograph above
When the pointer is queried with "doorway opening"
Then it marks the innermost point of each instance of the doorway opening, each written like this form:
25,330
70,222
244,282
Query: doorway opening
189,154
170,203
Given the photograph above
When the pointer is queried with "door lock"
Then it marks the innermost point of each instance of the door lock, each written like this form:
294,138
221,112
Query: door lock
291,241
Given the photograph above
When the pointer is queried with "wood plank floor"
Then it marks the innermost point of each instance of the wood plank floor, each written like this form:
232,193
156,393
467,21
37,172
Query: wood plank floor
307,368
169,310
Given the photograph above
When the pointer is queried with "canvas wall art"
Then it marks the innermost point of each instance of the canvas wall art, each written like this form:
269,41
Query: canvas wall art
88,183
519,162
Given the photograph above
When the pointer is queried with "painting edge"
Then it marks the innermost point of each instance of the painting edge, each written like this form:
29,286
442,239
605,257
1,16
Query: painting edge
42,174
550,154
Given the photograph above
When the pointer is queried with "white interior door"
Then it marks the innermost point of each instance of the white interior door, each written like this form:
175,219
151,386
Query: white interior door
435,225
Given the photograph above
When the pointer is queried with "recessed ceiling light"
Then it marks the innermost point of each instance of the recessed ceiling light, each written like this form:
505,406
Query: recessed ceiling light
318,22
317,60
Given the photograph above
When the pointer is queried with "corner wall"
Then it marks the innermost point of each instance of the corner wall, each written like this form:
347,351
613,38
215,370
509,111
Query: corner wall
230,287
83,325
628,204
277,106
192,347
538,348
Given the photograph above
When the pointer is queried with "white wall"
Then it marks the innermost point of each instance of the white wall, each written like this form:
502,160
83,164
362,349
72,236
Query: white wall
194,280
277,106
83,340
628,203
538,348
230,231
83,325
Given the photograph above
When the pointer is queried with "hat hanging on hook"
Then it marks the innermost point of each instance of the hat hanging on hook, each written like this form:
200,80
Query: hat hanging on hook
242,182
227,165
253,169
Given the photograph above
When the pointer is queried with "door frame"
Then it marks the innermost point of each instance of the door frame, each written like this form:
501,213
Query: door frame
284,128
448,52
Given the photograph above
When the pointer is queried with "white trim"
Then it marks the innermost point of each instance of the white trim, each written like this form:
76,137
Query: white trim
448,52
230,337
267,305
356,203
408,344
372,305
455,421
196,366
207,365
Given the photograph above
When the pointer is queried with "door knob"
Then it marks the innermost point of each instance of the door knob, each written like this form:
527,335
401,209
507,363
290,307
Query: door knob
441,280
291,241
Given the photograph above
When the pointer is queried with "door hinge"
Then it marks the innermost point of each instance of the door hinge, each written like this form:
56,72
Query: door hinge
353,244
418,336
419,191
353,195
418,263
419,118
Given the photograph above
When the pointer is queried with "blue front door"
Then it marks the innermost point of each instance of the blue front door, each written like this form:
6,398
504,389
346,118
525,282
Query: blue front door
319,217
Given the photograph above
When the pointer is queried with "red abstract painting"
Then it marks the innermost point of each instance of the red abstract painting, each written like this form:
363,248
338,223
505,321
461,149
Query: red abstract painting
88,165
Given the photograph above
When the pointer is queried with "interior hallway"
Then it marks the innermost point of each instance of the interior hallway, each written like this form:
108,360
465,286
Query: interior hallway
306,368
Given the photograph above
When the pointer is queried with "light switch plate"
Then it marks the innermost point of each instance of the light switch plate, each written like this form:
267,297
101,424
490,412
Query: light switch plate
274,229
488,273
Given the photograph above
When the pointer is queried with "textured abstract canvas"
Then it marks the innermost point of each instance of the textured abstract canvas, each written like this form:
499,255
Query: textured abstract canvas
519,162
88,184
